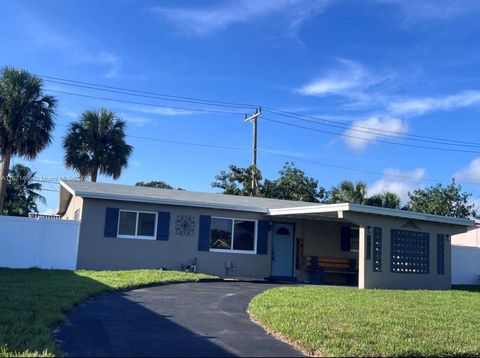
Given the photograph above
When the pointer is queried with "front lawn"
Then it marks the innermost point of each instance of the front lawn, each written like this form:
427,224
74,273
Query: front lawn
335,321
33,302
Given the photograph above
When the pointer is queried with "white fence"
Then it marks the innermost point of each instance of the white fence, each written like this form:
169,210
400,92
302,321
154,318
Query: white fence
42,243
465,265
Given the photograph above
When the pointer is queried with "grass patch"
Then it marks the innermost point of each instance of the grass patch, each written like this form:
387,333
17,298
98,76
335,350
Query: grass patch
334,321
33,302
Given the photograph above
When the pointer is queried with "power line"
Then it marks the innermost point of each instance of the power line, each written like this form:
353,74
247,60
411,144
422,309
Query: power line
147,104
369,139
302,117
69,82
368,129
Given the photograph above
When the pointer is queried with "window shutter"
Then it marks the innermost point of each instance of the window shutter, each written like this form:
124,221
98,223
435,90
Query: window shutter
262,237
163,225
204,233
111,222
346,236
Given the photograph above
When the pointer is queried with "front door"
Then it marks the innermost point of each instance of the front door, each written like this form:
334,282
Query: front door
282,250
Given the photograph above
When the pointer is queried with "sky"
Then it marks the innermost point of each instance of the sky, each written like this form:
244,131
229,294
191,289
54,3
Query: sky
384,91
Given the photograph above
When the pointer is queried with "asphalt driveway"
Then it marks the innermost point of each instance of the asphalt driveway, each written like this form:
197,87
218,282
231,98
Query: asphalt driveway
190,319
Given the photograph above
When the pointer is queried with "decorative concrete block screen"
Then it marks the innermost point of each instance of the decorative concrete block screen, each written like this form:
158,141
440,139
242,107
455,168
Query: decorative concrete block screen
41,243
440,254
377,249
409,252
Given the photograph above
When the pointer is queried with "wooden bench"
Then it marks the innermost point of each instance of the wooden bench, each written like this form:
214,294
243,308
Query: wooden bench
332,266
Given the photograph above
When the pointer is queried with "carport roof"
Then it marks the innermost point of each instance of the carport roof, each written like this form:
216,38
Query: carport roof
313,211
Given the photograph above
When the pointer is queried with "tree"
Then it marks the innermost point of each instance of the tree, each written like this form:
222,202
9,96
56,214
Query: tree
293,184
447,200
238,181
349,192
26,119
22,196
96,144
156,184
386,199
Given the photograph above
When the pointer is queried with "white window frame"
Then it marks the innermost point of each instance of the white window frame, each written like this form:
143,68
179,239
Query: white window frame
138,237
232,251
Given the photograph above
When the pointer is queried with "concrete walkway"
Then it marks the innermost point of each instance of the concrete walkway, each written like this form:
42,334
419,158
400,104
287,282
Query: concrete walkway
190,319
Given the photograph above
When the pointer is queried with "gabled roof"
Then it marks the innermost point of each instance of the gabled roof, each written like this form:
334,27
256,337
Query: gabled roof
272,207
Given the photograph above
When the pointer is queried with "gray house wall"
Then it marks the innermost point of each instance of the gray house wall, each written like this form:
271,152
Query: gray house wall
369,278
97,252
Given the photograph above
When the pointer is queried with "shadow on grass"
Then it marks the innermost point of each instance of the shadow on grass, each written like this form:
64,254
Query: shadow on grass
34,302
468,288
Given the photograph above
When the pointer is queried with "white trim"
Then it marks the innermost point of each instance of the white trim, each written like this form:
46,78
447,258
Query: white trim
332,208
232,251
138,237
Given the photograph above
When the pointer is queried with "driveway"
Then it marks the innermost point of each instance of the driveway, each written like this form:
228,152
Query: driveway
189,319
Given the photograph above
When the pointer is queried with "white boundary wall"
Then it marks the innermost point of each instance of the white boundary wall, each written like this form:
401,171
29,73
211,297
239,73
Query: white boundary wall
42,243
465,265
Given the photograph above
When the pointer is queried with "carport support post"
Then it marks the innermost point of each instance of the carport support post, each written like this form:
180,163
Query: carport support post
362,258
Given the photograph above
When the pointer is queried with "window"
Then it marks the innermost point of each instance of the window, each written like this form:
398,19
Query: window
136,225
354,239
233,235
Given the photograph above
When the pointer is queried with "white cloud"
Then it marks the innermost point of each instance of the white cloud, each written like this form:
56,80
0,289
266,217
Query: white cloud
419,106
471,172
78,48
350,80
363,132
398,182
205,20
163,111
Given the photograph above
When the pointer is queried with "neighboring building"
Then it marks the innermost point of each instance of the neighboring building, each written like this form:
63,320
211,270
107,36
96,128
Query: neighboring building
466,256
128,227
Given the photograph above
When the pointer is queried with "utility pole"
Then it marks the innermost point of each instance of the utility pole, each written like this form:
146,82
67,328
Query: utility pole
254,119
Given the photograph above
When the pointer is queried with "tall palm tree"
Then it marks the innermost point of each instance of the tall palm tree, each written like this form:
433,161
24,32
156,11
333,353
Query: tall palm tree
387,199
349,192
22,192
96,144
26,119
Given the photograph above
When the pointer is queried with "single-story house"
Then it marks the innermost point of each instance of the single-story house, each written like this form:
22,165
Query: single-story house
129,227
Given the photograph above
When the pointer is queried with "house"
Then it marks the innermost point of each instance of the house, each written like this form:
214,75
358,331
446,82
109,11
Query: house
128,227
466,256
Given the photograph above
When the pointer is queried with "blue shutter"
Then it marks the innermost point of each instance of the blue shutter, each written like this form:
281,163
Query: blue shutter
204,233
262,237
163,225
346,235
111,222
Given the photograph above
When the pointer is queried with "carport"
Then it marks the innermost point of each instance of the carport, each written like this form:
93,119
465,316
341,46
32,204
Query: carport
396,249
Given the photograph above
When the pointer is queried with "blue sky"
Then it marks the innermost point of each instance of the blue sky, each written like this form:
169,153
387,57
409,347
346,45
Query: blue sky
379,70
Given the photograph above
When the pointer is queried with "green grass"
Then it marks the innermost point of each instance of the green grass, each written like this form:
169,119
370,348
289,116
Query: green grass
335,321
33,302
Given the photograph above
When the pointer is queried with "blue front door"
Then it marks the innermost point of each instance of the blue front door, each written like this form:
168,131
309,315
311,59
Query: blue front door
282,250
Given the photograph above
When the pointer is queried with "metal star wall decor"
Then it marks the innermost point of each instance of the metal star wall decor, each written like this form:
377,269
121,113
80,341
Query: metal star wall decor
185,225
410,224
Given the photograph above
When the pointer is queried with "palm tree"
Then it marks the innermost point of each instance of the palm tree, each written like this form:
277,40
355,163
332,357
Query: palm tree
96,144
387,199
349,192
26,119
22,195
